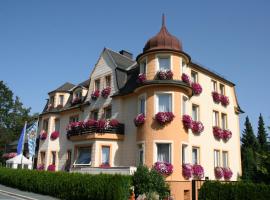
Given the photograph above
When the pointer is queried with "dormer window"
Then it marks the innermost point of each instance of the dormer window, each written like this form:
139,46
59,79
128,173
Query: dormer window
61,100
78,95
52,100
143,67
108,81
164,62
97,84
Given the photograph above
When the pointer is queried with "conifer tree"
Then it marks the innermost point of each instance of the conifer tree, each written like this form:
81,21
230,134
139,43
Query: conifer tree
248,138
262,134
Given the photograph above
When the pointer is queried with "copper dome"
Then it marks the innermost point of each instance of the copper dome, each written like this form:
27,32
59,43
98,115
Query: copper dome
163,40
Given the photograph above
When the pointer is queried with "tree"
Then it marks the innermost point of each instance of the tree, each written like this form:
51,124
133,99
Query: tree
262,135
248,138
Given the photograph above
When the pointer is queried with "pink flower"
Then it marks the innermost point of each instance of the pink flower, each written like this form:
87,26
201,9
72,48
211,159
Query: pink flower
185,78
40,167
95,95
164,117
139,119
51,168
43,135
197,127
54,135
227,173
165,74
198,171
187,121
187,171
216,97
224,100
164,168
141,78
197,88
218,132
106,92
102,124
90,123
226,135
9,155
114,123
105,165
219,172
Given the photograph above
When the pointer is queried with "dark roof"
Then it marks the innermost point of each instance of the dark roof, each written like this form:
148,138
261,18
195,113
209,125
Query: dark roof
85,83
120,60
64,88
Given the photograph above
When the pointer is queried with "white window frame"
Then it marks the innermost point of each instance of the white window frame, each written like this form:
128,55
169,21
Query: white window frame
139,103
227,153
141,70
197,110
156,107
214,86
155,142
101,153
196,76
77,155
198,154
184,160
59,98
184,66
184,104
105,80
226,121
217,158
95,87
215,119
224,91
163,56
142,143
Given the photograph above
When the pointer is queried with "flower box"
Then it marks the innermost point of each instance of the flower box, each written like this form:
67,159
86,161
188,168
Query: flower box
164,168
164,118
113,123
185,78
139,119
187,121
224,100
9,155
51,168
196,88
216,97
226,135
198,171
104,165
40,167
219,172
43,135
90,123
187,171
197,127
227,173
165,75
217,132
54,135
106,92
95,95
141,78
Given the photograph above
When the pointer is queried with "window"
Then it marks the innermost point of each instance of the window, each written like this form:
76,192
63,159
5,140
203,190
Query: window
224,121
164,152
42,157
164,102
97,84
78,94
53,157
52,100
61,100
108,81
225,159
74,118
184,105
216,158
194,77
164,63
222,89
143,67
57,125
108,112
94,114
83,156
68,161
214,86
184,153
140,154
105,155
195,112
195,155
142,104
45,125
215,118
184,66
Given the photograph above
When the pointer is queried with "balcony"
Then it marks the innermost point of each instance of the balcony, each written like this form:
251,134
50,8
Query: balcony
89,133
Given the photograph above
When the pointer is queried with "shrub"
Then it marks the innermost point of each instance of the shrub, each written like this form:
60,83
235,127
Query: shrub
213,190
68,186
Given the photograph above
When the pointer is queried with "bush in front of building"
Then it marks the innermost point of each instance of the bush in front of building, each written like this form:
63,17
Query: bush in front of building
214,190
69,186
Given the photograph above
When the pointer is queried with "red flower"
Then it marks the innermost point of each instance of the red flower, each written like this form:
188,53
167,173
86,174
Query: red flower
185,78
187,171
54,135
139,119
114,123
216,97
43,135
90,123
224,100
197,88
95,95
198,171
106,92
187,121
141,78
226,135
105,165
227,173
51,168
165,74
164,117
219,172
197,127
218,132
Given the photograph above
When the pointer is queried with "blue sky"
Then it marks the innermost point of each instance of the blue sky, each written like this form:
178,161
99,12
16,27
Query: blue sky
46,43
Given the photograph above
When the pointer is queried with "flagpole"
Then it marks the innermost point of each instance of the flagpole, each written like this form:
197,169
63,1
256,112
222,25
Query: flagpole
25,125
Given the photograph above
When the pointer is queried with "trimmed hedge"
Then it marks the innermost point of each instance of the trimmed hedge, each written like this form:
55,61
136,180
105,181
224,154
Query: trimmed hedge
213,190
70,186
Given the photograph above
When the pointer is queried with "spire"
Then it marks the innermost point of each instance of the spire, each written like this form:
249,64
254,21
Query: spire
163,20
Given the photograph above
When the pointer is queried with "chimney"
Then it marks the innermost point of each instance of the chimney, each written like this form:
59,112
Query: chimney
126,53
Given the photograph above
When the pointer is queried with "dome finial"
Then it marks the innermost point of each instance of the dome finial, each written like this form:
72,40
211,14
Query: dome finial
163,20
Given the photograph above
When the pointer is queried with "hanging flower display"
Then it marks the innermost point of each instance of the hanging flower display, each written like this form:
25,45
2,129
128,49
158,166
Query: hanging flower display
164,117
164,168
9,155
40,167
187,171
218,132
54,135
43,135
227,173
165,75
219,172
95,95
198,171
226,135
90,123
216,97
185,78
106,92
187,121
197,127
114,123
141,78
224,100
197,88
139,119
76,100
51,168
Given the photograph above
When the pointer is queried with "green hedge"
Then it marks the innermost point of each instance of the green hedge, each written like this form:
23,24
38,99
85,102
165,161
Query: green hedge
68,185
234,191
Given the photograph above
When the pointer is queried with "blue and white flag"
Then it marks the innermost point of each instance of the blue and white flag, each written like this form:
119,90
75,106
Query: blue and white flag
32,136
21,141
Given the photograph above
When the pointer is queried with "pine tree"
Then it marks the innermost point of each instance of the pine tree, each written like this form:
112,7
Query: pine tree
248,138
262,134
